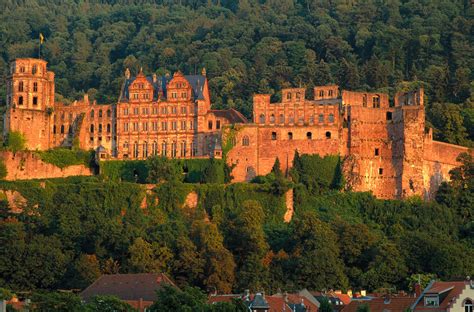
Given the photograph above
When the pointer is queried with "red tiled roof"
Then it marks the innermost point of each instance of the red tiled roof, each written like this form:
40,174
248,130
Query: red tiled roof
296,298
277,304
395,304
453,290
344,298
128,286
223,298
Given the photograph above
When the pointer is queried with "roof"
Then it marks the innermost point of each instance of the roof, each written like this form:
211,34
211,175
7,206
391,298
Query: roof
197,84
344,298
230,114
394,304
258,301
128,286
223,298
447,292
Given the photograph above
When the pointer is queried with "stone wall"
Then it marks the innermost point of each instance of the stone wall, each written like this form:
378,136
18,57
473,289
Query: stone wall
28,165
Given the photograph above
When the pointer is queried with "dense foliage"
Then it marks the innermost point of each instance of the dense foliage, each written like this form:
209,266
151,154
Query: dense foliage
233,237
251,46
64,157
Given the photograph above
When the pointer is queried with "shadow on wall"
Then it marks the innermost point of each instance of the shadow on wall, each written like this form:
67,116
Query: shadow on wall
436,179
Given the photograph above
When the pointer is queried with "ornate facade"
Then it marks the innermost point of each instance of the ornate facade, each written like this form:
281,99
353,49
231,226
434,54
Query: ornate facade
384,144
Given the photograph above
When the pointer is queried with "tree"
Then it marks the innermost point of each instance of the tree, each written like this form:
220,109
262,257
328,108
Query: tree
148,258
162,169
56,301
88,270
15,141
106,303
325,305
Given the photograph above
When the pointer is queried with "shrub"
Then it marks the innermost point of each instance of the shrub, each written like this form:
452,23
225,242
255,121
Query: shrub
62,157
15,141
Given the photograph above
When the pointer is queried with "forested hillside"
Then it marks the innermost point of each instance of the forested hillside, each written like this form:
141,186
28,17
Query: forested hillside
251,46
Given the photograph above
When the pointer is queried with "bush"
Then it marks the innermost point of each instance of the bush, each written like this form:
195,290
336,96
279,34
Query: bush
3,169
62,157
15,141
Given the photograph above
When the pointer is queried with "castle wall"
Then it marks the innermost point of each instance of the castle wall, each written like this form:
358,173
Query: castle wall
28,165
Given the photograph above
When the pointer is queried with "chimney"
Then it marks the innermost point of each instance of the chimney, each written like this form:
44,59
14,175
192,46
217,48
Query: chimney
417,290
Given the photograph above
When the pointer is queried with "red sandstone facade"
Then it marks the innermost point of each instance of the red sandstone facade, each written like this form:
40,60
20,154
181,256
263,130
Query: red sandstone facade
384,144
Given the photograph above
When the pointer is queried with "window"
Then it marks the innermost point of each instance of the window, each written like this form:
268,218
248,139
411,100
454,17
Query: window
468,305
262,119
209,124
389,116
174,110
376,102
376,152
309,135
164,110
183,149
54,129
135,150
20,100
430,301
364,100
183,124
100,113
194,150
20,86
321,93
164,149
62,129
145,150
290,135
125,144
154,126
35,100
292,119
218,124
330,93
154,110
183,110
298,96
136,111
35,87
282,118
125,127
92,128
288,96
311,119
191,125
272,118
321,118
184,95
380,171
164,126
173,149
174,95
145,126
109,113
301,120
328,135
92,114
135,96
108,128
274,136
125,111
245,141
100,128
331,118
22,69
35,69
154,148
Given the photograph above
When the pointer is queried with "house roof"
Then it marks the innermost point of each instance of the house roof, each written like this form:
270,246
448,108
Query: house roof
447,292
344,298
394,304
230,114
197,84
258,301
128,286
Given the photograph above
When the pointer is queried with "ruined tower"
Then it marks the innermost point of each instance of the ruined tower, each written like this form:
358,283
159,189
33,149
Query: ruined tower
30,101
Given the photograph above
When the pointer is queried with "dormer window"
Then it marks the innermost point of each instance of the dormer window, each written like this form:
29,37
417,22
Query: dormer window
432,301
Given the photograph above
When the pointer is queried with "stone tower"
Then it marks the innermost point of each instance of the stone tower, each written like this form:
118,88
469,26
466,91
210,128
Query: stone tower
30,102
411,111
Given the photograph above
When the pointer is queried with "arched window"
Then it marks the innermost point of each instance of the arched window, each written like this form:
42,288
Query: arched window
154,148
62,128
468,307
282,118
290,135
54,129
100,113
328,135
92,114
108,128
245,141
92,128
145,149
109,113
309,135
164,149
20,86
272,118
331,118
125,144
135,150
321,118
262,119
100,128
20,100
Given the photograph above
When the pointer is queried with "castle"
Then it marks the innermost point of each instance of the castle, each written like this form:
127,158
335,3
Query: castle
384,144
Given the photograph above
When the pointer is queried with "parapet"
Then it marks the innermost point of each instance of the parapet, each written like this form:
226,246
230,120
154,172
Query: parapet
411,98
326,92
365,99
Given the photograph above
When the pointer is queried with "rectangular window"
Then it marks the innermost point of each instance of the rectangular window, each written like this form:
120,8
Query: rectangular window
35,87
135,126
380,171
174,125
191,125
164,110
174,95
389,116
209,125
136,111
144,111
145,126
218,124
164,126
125,111
125,127
183,110
184,95
174,110
154,126
154,110
376,102
376,152
183,125
35,100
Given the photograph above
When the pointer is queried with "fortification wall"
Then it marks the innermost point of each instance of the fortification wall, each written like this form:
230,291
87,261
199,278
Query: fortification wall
28,165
